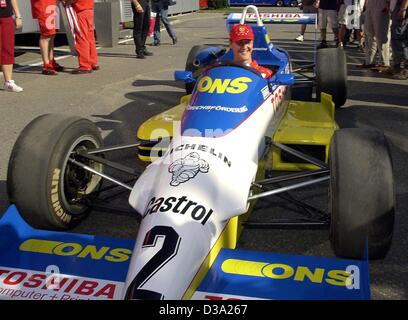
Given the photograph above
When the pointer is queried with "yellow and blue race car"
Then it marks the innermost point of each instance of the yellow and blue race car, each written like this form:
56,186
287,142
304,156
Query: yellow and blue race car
235,137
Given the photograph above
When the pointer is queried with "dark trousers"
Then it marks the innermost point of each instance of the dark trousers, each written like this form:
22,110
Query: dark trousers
399,38
141,23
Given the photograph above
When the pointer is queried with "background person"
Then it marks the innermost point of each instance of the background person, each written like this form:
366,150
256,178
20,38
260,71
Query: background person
7,30
242,46
45,11
399,38
161,7
377,33
349,19
327,16
307,6
141,24
81,19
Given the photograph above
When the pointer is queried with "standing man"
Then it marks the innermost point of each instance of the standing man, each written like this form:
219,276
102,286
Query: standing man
399,38
307,6
141,23
327,15
161,7
377,31
45,11
80,15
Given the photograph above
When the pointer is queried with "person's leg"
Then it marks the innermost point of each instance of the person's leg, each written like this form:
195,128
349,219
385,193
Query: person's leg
137,31
82,44
370,43
7,53
93,54
7,72
45,49
322,26
382,35
7,47
397,40
342,34
342,24
145,29
167,25
334,24
156,32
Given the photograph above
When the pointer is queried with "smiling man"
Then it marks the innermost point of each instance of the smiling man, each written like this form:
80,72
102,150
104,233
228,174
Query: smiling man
242,45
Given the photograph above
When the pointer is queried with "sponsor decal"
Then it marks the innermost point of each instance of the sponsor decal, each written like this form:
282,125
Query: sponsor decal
202,148
185,169
72,249
278,97
280,271
56,205
19,284
181,205
218,108
220,86
265,92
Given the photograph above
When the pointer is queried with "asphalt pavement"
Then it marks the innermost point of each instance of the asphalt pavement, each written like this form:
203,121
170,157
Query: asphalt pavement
127,91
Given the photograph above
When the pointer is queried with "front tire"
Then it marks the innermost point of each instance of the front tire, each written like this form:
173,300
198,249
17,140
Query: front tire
46,188
331,74
362,195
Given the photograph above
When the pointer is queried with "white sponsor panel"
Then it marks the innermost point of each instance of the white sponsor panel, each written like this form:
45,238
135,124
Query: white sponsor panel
23,284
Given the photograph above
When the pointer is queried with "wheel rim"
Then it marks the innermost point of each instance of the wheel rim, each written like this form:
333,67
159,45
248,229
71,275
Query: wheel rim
78,183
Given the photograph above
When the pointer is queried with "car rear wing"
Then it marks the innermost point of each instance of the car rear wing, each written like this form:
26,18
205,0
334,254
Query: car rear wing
273,18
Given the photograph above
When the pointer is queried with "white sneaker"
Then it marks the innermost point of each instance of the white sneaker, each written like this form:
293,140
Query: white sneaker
12,87
300,38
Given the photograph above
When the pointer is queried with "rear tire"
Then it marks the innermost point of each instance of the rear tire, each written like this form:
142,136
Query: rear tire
43,185
331,74
190,65
294,3
280,3
362,195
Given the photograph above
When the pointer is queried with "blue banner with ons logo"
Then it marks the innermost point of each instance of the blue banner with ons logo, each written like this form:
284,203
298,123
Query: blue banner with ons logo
48,265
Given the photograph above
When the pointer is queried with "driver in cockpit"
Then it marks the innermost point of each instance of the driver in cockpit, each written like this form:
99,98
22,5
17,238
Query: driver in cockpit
242,45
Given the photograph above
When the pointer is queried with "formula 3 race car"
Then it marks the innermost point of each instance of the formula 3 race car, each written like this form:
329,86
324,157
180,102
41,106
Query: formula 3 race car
214,155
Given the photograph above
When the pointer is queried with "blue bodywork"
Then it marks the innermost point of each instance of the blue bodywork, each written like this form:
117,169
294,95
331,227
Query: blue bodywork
224,97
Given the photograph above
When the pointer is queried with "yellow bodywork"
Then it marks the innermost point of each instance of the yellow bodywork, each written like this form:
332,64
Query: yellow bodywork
307,123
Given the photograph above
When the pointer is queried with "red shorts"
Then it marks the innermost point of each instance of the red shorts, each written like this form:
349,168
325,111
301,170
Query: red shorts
45,11
7,40
47,25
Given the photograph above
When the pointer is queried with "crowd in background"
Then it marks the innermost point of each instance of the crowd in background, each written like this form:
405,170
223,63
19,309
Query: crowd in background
80,16
380,28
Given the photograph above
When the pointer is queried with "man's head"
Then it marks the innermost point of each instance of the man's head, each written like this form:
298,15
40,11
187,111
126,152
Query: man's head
242,42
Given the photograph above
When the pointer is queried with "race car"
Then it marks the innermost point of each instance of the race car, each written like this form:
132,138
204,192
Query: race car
213,156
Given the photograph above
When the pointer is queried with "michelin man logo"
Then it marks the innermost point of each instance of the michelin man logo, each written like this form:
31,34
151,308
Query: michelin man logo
187,168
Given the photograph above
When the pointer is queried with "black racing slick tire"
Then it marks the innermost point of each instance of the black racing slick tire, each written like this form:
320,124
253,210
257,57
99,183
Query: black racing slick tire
45,186
294,3
362,197
191,67
280,3
331,74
